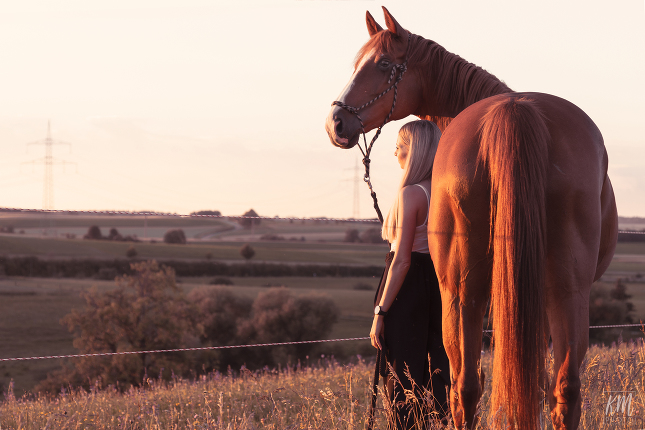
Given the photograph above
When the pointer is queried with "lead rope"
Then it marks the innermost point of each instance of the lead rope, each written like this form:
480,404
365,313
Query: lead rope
402,68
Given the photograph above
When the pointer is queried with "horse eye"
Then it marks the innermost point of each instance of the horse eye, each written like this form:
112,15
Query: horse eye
384,63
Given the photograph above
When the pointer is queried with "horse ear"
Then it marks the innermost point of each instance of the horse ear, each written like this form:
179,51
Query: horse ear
373,27
391,23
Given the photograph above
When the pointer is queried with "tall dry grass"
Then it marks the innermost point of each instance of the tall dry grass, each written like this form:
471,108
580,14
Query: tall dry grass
324,396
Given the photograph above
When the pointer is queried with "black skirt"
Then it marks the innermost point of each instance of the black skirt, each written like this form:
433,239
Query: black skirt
413,333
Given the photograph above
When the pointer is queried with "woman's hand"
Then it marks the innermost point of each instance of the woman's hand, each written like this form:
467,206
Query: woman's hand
377,331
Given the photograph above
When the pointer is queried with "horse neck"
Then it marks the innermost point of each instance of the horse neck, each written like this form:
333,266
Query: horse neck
449,83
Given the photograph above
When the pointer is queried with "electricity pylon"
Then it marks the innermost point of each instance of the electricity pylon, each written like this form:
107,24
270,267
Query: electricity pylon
49,161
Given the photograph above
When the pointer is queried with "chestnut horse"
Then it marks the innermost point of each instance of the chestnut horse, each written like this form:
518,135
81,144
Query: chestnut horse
522,212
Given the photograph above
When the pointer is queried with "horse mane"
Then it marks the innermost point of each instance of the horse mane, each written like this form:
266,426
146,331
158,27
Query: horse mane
456,83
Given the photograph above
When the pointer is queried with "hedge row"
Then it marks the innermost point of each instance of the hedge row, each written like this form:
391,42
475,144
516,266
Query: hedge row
108,269
631,237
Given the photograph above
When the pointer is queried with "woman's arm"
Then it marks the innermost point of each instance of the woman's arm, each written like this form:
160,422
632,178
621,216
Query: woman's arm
408,210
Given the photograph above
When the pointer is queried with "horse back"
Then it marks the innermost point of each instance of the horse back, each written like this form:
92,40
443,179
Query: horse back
578,194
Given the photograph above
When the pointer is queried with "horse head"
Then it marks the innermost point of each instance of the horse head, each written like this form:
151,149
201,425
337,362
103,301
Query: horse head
366,98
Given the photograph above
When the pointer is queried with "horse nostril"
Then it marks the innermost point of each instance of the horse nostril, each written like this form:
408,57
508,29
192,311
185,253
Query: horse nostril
338,126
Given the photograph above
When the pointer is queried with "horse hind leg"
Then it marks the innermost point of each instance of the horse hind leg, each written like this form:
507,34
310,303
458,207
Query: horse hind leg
465,355
568,314
564,396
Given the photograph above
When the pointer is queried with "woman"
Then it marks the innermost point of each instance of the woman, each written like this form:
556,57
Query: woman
407,318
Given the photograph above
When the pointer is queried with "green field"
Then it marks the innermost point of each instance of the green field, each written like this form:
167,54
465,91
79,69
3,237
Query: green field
195,228
270,251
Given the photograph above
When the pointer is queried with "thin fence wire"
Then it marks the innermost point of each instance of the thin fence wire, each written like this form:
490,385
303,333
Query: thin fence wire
203,348
211,348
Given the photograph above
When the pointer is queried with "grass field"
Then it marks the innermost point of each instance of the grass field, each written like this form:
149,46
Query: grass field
271,251
30,308
196,228
323,396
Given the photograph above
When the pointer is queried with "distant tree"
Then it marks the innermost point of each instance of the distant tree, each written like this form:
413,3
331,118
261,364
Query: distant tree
248,223
372,235
216,213
175,236
114,235
247,252
619,292
351,235
147,311
131,252
93,233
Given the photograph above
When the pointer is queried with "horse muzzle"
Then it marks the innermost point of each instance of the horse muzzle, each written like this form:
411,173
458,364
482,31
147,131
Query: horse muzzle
343,128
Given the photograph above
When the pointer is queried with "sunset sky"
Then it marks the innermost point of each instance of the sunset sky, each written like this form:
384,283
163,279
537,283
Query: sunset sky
198,104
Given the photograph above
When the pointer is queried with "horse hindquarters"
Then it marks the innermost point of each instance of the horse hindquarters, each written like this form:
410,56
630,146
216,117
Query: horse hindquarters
514,149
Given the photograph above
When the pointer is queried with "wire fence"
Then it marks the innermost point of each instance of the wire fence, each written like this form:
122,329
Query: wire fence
255,345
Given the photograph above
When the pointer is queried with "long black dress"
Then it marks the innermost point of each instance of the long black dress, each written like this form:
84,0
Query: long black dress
412,334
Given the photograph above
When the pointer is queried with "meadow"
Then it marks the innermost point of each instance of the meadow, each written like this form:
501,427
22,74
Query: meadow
325,395
320,393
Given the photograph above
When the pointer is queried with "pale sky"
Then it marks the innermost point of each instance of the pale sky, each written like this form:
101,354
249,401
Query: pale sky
186,105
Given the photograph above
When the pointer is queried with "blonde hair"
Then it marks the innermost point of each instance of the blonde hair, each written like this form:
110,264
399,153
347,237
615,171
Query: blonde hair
422,137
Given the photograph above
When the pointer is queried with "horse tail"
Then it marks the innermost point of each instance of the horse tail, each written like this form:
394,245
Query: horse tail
514,148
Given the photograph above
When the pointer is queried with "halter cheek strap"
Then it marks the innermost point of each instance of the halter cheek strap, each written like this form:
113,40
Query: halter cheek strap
401,68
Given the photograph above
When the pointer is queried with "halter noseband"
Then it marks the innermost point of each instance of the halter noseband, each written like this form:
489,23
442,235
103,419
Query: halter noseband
402,68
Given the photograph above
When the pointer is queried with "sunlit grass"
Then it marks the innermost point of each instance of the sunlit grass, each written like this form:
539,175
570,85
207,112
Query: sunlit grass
325,396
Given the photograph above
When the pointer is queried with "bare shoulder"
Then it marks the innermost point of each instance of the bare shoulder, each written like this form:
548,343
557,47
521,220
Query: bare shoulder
412,196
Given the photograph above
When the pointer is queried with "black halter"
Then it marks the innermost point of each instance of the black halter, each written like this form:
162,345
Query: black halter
402,68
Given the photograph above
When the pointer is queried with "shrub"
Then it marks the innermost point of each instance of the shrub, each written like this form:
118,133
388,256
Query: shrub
277,316
247,252
606,308
619,292
219,312
93,233
131,252
372,235
175,236
351,235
